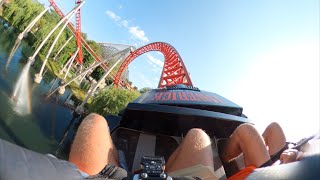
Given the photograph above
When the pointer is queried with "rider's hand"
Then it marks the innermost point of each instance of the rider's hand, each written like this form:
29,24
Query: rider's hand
289,155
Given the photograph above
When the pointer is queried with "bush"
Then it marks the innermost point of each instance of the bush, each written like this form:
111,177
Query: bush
112,100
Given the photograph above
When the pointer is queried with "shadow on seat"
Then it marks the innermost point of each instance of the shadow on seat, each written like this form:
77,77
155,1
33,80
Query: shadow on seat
135,144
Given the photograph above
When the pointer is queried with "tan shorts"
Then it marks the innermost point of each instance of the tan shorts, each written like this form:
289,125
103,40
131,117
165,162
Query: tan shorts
203,172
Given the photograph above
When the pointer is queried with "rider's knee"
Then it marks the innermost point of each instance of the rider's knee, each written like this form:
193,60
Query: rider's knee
274,126
245,127
197,134
245,130
94,120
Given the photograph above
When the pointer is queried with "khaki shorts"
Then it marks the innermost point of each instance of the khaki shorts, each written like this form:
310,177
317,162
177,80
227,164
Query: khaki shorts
203,172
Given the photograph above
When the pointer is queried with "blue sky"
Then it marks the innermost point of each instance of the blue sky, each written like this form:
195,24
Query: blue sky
263,55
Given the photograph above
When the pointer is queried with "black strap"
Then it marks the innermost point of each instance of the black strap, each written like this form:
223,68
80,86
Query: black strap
266,164
111,171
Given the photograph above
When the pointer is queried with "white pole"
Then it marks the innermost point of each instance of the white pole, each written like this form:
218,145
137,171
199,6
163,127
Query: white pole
80,109
93,66
72,59
61,89
38,77
81,79
55,57
66,65
2,2
34,21
31,58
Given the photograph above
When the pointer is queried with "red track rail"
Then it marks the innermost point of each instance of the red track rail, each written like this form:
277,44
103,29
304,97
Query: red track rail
78,33
86,45
174,70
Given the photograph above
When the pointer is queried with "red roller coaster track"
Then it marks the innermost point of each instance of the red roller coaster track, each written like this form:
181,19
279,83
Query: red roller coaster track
173,72
78,33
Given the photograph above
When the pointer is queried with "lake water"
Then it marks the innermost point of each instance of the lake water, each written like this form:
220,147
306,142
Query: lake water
42,128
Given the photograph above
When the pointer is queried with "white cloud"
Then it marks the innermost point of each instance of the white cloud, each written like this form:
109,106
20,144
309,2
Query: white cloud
113,16
144,81
156,64
156,70
124,23
154,60
138,33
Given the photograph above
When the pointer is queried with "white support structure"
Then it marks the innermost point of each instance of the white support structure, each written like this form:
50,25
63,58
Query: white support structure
79,109
65,76
55,57
68,62
72,59
68,98
33,22
81,78
52,85
23,34
31,58
61,88
38,77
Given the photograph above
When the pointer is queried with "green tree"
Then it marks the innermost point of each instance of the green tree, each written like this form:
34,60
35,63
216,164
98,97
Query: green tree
109,80
145,89
112,100
97,73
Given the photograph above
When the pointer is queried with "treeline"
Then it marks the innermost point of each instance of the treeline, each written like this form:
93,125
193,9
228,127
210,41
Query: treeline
19,13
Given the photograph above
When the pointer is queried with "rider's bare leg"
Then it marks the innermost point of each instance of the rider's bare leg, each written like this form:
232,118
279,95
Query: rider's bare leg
246,139
274,138
92,147
195,149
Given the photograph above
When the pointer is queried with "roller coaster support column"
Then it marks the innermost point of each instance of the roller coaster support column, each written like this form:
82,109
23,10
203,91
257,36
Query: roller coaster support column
64,45
72,59
61,88
84,75
31,58
2,2
38,77
51,87
68,62
79,109
81,78
33,22
68,98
